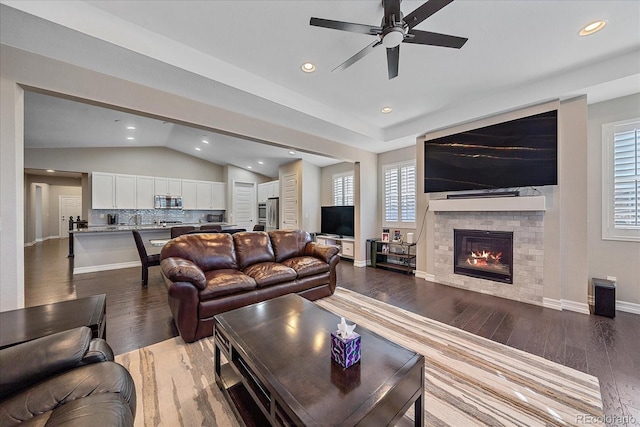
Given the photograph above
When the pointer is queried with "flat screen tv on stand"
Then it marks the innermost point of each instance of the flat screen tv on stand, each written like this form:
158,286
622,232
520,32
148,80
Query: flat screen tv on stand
513,154
337,220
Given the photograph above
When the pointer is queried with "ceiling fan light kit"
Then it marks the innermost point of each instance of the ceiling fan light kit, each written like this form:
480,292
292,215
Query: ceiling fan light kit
395,29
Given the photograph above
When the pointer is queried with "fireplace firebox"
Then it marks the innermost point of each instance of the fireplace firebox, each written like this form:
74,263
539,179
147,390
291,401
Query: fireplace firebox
484,254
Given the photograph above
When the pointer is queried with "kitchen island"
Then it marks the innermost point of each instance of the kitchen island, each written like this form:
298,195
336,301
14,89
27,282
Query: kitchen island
112,247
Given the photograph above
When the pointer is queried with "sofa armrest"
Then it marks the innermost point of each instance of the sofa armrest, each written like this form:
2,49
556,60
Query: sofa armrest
182,270
323,252
32,361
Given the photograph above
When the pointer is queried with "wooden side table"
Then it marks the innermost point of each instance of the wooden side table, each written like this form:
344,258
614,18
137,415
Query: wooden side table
25,324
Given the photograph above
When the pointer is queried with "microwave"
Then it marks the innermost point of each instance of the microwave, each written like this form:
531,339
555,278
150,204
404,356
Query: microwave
168,202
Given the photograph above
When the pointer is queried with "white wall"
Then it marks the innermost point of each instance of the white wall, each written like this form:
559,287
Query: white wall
311,178
151,161
609,257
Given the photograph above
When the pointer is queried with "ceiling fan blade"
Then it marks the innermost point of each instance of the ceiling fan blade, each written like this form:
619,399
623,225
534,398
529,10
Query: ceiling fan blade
358,56
393,59
424,11
391,8
435,39
345,26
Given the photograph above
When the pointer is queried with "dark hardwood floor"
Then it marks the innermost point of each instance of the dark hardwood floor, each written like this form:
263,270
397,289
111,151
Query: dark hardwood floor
603,347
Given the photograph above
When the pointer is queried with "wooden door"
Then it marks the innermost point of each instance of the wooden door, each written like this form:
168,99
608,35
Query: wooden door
70,206
244,205
290,201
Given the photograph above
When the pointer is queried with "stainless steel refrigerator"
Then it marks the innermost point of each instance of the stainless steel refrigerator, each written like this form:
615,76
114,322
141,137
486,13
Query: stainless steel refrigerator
273,214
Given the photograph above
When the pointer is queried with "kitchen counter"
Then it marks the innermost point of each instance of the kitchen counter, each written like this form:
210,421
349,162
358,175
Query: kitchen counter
110,247
146,227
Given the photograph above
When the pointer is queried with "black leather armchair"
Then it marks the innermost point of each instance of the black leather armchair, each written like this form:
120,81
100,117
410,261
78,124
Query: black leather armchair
67,379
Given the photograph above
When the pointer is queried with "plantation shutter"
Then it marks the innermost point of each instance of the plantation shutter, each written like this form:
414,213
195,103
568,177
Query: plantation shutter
337,191
408,193
343,193
626,169
391,194
347,188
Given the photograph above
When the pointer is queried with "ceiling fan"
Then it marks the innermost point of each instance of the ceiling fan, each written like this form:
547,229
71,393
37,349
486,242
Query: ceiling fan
395,29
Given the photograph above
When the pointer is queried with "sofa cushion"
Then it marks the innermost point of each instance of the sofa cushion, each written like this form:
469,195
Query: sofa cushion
288,243
252,247
306,265
225,282
270,273
209,251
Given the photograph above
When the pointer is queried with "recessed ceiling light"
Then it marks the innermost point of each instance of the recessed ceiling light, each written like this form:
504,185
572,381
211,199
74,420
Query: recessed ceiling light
249,167
293,153
260,162
50,170
204,141
197,148
386,110
131,127
591,28
130,138
308,67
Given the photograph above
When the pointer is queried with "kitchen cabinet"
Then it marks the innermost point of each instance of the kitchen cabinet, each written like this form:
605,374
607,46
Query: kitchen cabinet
167,186
126,192
145,190
189,194
113,191
103,190
268,190
210,195
218,196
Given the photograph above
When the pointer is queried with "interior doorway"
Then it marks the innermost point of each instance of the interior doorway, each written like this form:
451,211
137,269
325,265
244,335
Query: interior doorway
244,204
69,206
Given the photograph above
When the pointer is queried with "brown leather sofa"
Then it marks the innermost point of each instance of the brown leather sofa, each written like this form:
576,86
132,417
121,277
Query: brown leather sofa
208,274
66,378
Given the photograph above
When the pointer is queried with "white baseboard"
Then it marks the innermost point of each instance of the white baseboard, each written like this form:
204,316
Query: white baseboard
554,304
106,267
628,307
359,263
421,274
578,307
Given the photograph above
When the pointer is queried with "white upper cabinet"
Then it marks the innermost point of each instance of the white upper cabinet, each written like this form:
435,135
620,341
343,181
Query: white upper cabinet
126,192
103,190
189,194
268,190
218,196
144,192
168,186
119,191
210,195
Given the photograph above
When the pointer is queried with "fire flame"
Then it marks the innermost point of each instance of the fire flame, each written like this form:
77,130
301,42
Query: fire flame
484,258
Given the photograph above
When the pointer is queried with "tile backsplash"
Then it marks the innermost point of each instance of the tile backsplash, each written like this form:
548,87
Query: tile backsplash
98,217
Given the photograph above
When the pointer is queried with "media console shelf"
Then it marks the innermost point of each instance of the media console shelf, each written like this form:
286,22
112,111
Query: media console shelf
395,255
346,244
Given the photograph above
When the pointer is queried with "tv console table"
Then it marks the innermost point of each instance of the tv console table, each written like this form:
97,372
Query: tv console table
346,244
395,255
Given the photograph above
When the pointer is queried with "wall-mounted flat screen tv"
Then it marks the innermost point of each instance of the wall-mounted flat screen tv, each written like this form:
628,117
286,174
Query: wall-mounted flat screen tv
337,220
517,153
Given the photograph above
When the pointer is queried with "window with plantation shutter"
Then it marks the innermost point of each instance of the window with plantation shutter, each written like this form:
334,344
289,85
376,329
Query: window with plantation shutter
343,194
399,184
621,180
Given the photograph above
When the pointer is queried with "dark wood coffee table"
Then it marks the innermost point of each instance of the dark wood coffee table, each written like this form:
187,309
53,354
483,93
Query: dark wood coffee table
280,370
25,324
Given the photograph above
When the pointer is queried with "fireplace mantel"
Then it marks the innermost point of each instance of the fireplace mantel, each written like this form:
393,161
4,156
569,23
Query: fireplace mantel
497,204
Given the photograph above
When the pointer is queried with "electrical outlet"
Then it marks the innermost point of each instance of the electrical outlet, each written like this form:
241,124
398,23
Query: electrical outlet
612,278
101,216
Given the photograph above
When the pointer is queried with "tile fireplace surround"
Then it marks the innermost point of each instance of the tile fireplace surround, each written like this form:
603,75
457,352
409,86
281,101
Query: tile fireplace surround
500,215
